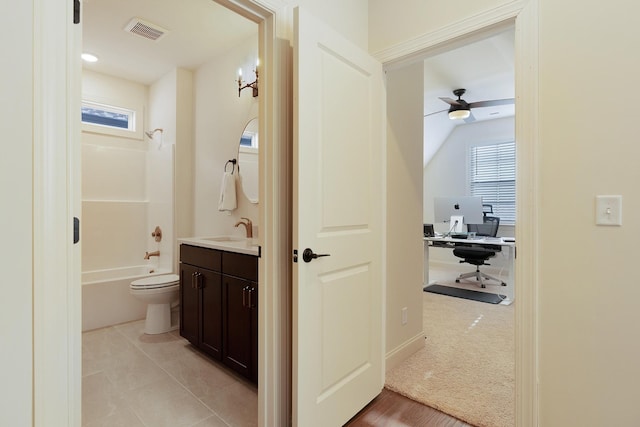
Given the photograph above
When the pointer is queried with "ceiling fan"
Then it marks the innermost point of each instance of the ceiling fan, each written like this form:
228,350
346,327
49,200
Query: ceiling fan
461,110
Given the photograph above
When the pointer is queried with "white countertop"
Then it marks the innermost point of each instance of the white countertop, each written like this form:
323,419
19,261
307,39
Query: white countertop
224,243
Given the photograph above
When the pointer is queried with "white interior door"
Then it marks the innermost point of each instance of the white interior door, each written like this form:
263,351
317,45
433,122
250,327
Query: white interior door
338,199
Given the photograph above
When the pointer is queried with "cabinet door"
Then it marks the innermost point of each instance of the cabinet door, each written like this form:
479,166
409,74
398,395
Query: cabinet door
211,311
237,336
189,303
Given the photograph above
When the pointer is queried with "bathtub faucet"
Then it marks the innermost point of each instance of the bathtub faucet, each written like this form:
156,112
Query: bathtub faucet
147,255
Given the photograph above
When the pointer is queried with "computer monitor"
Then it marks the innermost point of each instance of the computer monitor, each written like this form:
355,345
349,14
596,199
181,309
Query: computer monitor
467,207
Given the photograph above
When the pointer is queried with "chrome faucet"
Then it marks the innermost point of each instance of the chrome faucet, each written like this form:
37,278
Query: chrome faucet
147,255
247,225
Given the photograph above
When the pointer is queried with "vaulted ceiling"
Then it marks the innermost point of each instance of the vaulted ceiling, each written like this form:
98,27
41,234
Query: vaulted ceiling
484,68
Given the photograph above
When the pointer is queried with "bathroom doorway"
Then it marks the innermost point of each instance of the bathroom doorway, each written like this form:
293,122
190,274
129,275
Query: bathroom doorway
252,11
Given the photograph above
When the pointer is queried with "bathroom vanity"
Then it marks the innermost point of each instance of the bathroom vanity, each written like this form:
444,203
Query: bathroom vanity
219,301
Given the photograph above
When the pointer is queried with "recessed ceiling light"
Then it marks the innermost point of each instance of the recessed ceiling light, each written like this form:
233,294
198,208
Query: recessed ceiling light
89,57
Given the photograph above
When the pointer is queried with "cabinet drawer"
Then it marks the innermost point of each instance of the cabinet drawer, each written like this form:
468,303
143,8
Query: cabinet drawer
202,257
240,265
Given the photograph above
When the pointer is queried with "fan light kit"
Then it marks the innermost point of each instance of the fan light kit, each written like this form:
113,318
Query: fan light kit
459,109
459,114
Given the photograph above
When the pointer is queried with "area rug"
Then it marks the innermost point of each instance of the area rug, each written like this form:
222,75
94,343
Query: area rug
487,297
466,367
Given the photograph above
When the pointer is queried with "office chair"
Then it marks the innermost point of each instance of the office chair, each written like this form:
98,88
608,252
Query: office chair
479,254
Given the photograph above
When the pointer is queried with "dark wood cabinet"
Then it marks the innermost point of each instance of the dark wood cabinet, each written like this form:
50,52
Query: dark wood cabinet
201,298
219,306
240,313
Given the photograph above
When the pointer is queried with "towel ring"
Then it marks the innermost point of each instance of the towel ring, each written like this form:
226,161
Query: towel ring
233,165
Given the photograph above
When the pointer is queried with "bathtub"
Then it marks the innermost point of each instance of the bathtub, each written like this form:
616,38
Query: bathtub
105,296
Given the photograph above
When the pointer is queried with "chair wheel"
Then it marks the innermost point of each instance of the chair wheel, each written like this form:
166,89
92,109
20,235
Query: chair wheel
457,280
503,284
482,286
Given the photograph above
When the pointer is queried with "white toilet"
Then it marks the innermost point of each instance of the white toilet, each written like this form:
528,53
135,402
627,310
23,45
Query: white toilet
158,292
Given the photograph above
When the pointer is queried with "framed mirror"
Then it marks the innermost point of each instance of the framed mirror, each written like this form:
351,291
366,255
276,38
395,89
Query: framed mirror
248,160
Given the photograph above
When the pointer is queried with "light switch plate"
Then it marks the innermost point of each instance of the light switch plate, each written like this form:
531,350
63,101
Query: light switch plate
608,210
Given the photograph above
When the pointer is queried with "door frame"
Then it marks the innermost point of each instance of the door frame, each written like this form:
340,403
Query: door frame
57,299
57,302
522,14
274,268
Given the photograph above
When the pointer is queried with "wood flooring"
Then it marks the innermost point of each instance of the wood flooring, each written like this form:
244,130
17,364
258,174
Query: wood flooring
391,409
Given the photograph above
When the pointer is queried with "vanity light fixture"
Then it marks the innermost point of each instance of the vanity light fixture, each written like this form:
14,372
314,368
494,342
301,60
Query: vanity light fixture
253,85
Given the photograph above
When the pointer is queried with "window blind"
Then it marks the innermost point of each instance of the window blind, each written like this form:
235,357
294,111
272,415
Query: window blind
492,175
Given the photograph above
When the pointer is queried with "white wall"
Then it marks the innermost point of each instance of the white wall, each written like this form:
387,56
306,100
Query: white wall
446,175
220,118
16,185
394,22
404,212
588,350
349,18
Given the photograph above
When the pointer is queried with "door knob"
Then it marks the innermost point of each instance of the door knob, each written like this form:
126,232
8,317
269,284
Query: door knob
308,255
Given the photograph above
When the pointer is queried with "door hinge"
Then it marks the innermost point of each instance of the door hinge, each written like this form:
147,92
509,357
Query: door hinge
76,230
76,11
295,255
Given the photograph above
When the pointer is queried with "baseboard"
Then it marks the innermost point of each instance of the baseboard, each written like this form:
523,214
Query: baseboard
403,351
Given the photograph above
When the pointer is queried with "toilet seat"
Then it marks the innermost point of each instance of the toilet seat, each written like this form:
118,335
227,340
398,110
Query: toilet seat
156,282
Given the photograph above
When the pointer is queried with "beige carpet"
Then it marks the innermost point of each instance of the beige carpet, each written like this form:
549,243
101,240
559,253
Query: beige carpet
466,368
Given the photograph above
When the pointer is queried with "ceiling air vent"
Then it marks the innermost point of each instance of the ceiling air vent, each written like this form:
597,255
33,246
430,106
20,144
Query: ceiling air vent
145,29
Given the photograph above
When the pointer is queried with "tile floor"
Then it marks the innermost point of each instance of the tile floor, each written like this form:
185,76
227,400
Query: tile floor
134,380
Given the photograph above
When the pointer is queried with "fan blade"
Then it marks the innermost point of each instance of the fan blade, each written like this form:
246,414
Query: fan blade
436,112
492,103
470,119
450,101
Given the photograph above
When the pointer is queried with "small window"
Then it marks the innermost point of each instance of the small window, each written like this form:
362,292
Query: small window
106,115
107,119
492,175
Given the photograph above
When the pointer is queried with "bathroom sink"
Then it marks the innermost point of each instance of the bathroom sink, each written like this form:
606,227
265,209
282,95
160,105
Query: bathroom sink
225,239
228,243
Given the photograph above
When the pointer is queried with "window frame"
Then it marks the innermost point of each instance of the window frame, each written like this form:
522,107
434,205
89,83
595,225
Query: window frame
505,219
133,112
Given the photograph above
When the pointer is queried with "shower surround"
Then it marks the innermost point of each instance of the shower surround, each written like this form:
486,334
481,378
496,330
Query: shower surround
127,190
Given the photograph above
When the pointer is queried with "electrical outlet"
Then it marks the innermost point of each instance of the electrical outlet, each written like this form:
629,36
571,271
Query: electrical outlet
404,315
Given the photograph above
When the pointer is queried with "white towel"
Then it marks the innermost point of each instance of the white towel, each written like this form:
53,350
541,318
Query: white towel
228,200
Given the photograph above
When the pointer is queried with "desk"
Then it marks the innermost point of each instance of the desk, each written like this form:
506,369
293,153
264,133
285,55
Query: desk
449,243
